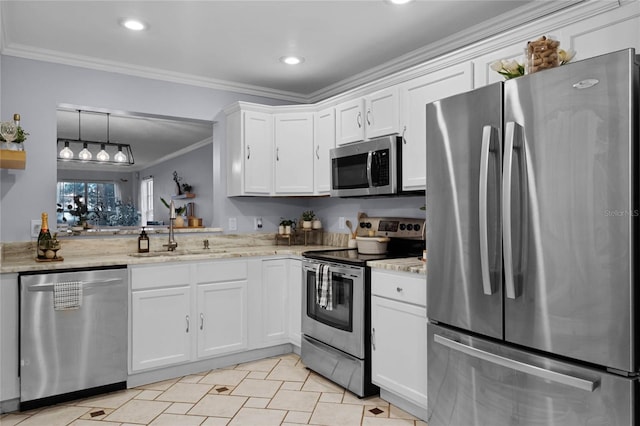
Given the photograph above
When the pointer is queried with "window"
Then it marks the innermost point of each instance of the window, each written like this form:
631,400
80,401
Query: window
146,199
94,203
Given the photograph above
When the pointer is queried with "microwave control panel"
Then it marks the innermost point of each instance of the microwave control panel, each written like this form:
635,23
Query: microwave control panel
398,227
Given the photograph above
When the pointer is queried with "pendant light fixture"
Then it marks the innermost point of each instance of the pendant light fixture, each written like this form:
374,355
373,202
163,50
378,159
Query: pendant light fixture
120,152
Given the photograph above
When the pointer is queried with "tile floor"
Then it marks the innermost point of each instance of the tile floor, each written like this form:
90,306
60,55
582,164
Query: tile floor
271,391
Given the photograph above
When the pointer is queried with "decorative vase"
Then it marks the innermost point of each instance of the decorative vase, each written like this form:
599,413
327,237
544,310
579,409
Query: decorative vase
306,224
178,222
281,229
287,229
316,224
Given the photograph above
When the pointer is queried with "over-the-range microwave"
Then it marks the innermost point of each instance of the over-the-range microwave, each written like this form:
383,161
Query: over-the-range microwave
368,168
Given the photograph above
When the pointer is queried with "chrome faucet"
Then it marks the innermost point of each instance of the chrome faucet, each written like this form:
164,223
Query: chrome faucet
172,244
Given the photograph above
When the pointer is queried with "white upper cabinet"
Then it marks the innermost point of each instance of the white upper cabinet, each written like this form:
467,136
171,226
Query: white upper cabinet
249,153
369,117
294,153
325,140
415,95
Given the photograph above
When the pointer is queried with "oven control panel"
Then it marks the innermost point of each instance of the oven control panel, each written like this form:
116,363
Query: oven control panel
398,227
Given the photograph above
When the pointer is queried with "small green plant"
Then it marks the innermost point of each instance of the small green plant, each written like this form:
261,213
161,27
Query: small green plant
308,216
179,210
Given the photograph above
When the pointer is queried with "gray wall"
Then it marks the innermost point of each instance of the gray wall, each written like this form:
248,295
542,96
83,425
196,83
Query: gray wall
35,88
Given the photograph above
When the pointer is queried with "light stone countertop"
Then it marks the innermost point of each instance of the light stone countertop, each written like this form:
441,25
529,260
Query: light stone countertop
406,264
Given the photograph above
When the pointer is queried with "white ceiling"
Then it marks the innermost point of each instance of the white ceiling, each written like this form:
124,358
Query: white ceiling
236,45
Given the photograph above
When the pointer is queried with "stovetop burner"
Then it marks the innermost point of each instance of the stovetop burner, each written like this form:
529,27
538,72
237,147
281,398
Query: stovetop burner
348,256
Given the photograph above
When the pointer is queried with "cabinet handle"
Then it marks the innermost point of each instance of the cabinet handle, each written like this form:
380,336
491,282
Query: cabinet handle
359,120
318,152
373,338
368,115
404,140
187,323
277,154
398,289
201,321
248,152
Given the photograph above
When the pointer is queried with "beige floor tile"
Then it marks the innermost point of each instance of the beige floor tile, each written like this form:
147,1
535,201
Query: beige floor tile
396,412
177,419
163,385
421,423
55,415
138,411
12,419
224,377
336,414
257,402
185,392
193,378
298,417
84,422
258,388
218,405
380,412
381,421
336,398
179,408
292,385
259,375
96,414
294,400
222,390
110,400
264,365
257,416
350,398
216,421
290,359
288,373
149,395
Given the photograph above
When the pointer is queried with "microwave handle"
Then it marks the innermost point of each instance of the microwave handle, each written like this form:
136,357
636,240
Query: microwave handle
369,165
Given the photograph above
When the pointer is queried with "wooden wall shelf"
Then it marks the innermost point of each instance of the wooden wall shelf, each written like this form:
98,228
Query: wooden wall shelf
183,196
12,159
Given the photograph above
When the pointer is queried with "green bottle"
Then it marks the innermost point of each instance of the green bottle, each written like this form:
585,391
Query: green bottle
44,237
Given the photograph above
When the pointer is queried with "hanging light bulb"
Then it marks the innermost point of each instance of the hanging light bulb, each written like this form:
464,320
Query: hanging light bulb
120,157
85,154
66,153
102,155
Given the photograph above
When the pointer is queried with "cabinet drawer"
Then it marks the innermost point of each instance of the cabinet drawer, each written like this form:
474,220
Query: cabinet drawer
221,271
409,288
156,276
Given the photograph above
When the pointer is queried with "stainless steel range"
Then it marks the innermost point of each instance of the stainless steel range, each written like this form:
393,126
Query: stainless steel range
336,300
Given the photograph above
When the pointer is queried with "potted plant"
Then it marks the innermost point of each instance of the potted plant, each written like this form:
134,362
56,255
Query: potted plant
307,219
285,226
179,221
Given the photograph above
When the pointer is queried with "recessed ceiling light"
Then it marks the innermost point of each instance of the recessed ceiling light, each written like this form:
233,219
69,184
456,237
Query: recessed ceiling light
133,24
399,1
292,60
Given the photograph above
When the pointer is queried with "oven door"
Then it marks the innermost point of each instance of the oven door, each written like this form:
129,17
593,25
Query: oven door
341,326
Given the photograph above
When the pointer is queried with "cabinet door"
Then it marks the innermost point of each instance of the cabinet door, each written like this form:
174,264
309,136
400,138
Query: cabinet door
221,318
294,154
258,152
10,343
398,329
295,301
161,327
416,94
350,122
275,300
325,140
381,115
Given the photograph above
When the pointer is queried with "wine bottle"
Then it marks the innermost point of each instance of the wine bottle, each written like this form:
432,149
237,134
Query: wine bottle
43,237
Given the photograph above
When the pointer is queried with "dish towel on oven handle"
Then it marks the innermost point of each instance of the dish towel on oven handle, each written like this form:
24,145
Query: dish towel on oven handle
67,295
324,296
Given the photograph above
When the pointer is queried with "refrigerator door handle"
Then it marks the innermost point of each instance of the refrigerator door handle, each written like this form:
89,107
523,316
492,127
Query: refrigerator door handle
488,135
565,379
512,131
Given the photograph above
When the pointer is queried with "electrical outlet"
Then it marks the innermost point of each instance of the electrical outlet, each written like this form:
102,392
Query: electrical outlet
233,224
341,222
257,223
35,227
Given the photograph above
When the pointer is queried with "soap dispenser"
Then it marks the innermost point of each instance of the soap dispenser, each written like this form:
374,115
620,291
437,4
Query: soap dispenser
143,242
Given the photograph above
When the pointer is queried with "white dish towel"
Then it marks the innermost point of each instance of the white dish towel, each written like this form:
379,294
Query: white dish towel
324,296
67,295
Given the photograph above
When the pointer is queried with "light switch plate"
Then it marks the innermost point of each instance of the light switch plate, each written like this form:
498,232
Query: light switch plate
35,227
233,224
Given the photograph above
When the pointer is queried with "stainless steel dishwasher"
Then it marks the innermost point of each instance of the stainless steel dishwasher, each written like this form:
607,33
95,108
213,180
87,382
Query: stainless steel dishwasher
73,334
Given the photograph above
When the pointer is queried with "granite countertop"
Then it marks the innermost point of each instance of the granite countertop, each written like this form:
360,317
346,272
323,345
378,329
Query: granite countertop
406,264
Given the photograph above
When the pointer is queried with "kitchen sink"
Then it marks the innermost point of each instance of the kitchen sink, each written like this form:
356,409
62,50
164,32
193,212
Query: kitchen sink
179,252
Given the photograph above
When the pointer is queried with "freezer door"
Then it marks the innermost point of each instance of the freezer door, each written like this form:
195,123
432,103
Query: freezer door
569,161
474,382
463,210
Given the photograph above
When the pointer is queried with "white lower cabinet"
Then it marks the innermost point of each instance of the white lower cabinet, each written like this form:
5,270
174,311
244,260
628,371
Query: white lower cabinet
295,301
9,341
399,335
275,300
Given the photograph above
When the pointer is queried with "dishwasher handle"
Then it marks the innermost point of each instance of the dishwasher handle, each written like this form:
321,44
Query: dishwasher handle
84,284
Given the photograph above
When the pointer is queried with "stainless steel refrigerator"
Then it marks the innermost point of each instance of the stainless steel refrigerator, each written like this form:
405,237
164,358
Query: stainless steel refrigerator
532,235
